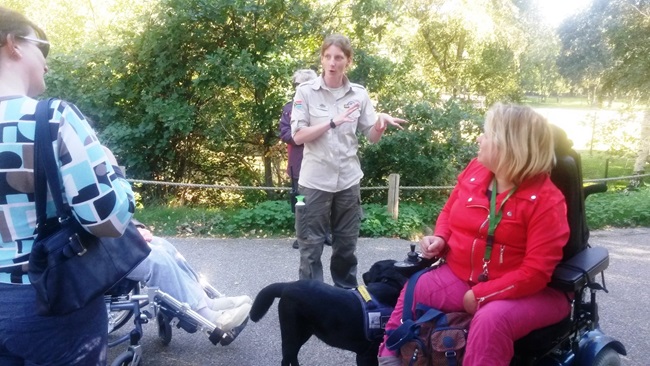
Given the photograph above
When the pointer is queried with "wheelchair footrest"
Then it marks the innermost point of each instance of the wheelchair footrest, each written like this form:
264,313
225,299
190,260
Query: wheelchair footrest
571,275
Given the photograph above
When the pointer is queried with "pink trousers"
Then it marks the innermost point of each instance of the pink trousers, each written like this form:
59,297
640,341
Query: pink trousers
496,324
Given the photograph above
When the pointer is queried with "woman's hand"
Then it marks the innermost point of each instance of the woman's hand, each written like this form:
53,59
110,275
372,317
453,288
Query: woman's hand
470,303
345,116
383,120
146,234
432,246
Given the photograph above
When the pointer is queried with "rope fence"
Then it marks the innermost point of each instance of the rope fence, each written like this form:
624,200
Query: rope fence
393,188
217,186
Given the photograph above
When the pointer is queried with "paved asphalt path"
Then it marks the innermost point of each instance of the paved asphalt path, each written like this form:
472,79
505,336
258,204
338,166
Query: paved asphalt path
244,266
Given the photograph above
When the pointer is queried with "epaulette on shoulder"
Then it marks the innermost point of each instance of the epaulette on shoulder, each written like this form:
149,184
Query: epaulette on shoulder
358,86
309,83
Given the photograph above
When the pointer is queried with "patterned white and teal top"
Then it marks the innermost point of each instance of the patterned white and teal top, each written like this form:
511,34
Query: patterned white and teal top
99,196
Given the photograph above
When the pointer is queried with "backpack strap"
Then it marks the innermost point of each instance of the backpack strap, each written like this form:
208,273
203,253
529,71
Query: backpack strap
410,328
409,295
45,167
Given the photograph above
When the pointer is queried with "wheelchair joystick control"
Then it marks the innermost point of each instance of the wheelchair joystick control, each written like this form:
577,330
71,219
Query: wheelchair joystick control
412,259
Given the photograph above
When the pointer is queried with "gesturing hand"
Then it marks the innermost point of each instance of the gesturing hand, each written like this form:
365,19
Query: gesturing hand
384,120
345,116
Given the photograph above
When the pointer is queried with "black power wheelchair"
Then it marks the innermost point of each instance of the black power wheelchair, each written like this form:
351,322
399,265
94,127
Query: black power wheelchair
132,300
577,340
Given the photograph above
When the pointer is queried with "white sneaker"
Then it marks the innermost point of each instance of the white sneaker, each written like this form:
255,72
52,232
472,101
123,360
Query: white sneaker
231,318
225,303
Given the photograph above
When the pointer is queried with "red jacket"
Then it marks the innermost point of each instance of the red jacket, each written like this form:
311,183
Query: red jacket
528,240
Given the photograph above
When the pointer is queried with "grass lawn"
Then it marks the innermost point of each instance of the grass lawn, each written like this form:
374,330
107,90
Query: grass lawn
571,102
600,164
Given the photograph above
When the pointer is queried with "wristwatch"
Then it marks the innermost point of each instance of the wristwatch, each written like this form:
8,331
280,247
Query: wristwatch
332,124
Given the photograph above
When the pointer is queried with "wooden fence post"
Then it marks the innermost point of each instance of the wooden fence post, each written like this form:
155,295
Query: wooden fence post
393,195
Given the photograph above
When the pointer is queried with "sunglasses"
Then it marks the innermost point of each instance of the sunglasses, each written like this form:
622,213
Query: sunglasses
43,46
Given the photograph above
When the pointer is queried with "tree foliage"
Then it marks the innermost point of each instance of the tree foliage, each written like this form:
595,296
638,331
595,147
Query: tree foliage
191,90
438,143
195,96
585,54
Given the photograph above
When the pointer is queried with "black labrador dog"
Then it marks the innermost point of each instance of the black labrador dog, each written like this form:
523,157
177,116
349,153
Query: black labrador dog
335,315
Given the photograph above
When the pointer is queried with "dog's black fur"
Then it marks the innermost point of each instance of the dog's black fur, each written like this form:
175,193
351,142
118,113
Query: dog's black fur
333,314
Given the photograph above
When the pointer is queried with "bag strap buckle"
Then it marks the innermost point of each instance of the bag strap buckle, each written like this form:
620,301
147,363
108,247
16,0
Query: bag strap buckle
74,246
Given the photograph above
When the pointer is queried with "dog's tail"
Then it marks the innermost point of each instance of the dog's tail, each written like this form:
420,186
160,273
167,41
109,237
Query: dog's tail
265,298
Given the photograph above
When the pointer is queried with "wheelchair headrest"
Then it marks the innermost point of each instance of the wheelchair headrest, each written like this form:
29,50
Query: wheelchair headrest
567,176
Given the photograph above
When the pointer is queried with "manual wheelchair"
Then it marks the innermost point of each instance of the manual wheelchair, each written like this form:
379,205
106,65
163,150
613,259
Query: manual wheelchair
132,300
577,340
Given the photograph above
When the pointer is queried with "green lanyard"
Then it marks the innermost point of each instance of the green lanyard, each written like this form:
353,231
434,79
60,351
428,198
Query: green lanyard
494,217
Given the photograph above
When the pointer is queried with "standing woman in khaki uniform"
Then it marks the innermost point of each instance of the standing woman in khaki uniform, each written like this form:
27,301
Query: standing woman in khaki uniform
327,113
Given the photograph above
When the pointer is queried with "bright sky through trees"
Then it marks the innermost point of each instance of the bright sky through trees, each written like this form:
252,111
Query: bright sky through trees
555,11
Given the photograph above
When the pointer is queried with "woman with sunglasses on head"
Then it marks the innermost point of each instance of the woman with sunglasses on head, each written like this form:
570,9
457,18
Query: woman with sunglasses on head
95,190
501,234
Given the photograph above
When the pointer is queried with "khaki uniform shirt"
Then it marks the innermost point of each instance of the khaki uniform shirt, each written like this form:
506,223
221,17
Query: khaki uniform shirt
330,162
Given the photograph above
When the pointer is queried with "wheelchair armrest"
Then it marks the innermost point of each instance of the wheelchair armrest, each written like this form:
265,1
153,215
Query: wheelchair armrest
570,275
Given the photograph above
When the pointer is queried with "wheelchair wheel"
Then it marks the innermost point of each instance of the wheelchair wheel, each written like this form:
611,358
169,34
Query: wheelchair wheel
607,357
124,359
164,329
116,319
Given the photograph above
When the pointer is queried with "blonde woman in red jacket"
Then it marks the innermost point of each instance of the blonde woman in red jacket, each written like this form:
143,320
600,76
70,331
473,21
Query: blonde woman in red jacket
498,269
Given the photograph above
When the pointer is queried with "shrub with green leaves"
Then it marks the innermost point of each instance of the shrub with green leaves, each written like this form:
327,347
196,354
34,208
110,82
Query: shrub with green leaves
622,208
269,218
435,146
412,221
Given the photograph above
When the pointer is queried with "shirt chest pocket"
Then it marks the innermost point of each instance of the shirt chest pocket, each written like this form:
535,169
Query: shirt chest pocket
318,116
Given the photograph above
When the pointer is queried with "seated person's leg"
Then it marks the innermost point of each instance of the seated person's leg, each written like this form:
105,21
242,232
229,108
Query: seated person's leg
166,269
160,270
174,253
159,244
498,324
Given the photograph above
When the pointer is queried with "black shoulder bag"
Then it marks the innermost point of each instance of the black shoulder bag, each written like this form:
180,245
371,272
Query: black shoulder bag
68,266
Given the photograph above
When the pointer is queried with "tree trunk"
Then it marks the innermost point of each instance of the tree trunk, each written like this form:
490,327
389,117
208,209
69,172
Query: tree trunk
268,171
644,144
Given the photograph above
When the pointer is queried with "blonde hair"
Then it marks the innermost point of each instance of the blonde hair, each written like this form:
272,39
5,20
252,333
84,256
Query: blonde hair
339,41
523,140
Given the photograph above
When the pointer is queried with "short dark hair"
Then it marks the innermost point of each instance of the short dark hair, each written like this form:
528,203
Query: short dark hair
12,22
